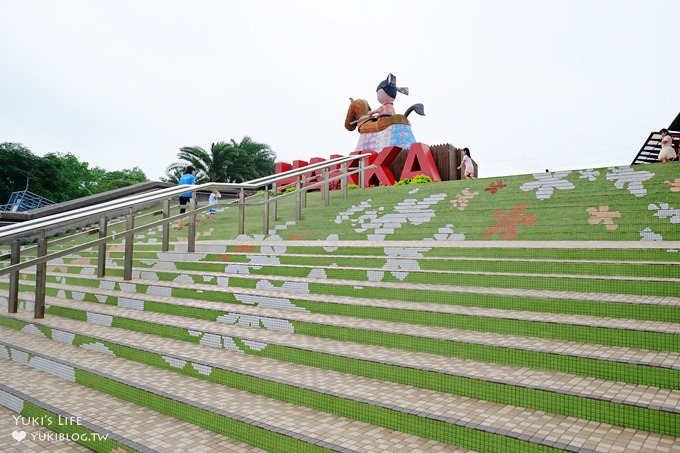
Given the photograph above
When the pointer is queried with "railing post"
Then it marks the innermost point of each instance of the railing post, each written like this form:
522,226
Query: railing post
343,180
165,235
13,302
40,278
362,176
265,220
325,187
303,183
101,258
298,200
129,242
241,212
275,202
191,240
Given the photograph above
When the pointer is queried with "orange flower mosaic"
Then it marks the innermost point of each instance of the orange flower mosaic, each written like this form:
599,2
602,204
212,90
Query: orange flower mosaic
603,215
463,198
507,223
675,184
496,186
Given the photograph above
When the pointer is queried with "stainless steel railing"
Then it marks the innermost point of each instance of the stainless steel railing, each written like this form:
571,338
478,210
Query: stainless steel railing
263,192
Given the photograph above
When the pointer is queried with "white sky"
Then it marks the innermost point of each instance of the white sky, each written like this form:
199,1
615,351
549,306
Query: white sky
526,85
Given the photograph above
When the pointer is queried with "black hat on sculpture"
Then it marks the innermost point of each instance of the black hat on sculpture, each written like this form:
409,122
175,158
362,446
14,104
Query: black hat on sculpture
389,85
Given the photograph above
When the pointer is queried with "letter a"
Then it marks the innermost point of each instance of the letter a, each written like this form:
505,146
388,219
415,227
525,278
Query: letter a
419,161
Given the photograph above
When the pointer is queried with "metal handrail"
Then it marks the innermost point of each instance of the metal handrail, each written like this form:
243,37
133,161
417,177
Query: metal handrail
9,232
39,228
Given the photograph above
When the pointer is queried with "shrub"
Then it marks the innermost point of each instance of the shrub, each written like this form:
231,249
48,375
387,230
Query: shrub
403,182
421,179
352,186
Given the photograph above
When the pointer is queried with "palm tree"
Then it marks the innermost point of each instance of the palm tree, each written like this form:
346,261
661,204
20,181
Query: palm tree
256,160
225,162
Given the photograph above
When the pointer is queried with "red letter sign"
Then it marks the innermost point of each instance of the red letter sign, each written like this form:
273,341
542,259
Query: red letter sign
382,174
419,161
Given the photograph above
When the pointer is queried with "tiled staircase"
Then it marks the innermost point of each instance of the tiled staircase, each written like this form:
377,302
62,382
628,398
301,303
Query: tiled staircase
434,342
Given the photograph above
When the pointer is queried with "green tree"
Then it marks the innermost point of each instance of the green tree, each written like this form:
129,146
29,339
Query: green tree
61,177
111,180
16,165
57,176
225,162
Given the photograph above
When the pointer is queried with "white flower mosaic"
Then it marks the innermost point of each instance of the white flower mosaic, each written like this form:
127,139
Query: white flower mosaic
634,179
11,402
268,256
52,367
159,291
399,263
127,287
378,225
665,211
215,341
181,257
546,184
345,215
175,363
589,174
281,227
133,304
164,265
648,235
43,364
31,329
331,237
98,318
22,304
183,278
19,356
107,284
63,337
97,347
446,233
202,369
148,275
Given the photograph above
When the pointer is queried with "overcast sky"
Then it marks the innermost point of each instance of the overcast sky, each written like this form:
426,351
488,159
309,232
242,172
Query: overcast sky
526,85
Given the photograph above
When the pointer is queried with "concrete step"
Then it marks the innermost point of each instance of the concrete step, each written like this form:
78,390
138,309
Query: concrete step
638,366
102,422
284,423
535,427
650,281
447,372
629,333
288,312
632,395
318,282
218,287
21,434
257,262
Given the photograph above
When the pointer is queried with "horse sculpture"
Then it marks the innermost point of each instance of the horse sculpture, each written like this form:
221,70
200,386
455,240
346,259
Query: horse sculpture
376,132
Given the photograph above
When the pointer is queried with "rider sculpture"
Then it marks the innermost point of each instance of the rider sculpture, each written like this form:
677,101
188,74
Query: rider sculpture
381,127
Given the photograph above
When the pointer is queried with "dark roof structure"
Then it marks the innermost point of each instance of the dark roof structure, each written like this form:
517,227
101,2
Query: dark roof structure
649,153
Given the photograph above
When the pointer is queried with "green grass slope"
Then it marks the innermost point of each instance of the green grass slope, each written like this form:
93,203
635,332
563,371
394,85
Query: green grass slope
615,203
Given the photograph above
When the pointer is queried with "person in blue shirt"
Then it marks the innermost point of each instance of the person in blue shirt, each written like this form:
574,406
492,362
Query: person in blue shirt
187,179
